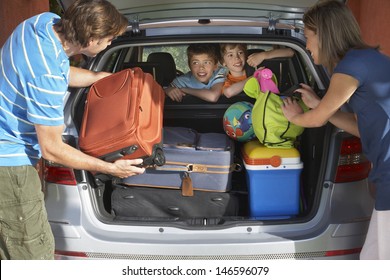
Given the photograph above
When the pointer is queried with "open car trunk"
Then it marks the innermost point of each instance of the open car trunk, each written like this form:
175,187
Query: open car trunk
205,117
311,147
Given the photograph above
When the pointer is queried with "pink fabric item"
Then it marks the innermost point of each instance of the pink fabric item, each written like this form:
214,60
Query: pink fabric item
264,76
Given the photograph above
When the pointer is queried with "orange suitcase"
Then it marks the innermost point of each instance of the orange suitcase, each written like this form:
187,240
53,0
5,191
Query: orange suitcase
123,118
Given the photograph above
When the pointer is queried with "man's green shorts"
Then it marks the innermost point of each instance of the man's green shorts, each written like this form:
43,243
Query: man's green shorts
25,232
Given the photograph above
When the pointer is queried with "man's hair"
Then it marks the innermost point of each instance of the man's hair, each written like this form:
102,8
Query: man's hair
90,19
211,50
337,30
225,47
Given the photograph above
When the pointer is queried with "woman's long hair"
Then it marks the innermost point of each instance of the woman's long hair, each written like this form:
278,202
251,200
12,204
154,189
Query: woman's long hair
337,30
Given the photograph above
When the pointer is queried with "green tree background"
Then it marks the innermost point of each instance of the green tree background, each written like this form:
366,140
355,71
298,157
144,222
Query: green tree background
55,7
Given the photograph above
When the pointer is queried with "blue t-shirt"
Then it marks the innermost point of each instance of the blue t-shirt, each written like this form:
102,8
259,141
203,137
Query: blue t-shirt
371,103
189,81
33,82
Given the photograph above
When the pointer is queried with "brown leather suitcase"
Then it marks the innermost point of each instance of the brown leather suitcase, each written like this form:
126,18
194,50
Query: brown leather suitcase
123,118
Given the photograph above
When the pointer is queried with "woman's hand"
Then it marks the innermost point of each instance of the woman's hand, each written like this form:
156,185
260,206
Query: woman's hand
309,97
291,108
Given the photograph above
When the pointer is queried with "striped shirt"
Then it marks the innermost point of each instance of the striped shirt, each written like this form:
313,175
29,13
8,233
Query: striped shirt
34,74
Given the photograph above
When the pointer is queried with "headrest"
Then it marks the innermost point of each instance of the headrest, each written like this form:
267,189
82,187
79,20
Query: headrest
148,67
167,66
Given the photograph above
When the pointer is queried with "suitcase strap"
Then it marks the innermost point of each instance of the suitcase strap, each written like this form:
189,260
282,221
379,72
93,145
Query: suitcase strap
196,167
186,184
187,189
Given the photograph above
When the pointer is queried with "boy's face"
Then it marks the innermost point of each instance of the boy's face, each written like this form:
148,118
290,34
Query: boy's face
202,67
234,60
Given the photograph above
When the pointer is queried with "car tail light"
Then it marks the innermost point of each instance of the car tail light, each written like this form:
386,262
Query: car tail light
60,253
54,173
352,164
335,253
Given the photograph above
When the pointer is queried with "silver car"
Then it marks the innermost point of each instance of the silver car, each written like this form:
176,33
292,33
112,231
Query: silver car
335,204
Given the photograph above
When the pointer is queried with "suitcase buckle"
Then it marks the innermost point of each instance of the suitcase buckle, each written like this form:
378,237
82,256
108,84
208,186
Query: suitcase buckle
200,168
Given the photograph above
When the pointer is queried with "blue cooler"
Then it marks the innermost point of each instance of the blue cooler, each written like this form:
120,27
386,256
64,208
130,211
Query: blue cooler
273,179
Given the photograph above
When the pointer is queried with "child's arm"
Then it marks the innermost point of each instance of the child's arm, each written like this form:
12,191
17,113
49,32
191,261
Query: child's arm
174,93
234,89
256,59
210,95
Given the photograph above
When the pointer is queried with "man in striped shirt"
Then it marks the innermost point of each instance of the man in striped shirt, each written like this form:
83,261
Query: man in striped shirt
34,77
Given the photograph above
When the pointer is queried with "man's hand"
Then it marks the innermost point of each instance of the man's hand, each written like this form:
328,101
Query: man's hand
126,167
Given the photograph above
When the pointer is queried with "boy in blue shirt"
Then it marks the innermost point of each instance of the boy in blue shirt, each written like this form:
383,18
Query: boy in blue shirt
206,78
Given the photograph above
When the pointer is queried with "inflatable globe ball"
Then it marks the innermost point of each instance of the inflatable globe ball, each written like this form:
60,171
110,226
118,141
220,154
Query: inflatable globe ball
237,121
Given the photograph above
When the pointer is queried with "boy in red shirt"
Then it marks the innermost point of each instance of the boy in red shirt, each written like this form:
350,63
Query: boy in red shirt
233,57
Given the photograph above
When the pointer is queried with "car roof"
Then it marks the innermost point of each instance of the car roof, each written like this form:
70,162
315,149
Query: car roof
271,14
159,10
153,4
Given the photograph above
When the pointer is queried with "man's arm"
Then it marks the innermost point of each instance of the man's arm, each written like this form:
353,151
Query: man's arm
54,149
80,77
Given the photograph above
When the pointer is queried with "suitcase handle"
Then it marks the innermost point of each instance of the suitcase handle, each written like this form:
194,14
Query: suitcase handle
111,157
156,159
